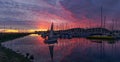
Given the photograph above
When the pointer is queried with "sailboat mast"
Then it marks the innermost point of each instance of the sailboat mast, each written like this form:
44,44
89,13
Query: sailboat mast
112,24
104,21
101,16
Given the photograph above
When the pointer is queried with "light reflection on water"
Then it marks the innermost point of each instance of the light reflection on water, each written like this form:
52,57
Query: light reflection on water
67,50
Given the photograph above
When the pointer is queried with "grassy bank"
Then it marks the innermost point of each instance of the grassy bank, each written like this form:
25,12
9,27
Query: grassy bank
7,55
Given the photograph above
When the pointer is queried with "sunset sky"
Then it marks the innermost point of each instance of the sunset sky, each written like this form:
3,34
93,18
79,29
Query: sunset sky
38,14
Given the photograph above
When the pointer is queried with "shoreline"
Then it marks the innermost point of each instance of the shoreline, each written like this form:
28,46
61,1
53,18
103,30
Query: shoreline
7,55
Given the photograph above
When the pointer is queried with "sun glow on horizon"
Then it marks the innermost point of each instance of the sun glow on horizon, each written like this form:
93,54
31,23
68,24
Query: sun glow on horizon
20,30
11,31
33,30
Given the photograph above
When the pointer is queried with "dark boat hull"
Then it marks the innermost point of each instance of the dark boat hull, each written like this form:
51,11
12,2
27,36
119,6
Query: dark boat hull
52,41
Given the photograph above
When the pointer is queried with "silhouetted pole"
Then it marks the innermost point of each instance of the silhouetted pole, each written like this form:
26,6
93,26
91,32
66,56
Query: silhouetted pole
116,24
112,24
104,21
101,16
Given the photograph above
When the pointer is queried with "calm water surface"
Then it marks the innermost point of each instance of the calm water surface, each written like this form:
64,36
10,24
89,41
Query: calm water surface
67,50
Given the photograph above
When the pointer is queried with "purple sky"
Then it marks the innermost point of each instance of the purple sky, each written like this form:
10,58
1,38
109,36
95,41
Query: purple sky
28,14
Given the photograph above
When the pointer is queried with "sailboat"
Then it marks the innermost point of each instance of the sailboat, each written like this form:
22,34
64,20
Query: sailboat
106,36
51,37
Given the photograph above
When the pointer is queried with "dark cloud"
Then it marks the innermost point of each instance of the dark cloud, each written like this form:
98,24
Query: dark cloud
91,8
57,10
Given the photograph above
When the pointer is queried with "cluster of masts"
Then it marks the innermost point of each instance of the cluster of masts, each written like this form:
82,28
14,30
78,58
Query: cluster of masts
103,21
111,25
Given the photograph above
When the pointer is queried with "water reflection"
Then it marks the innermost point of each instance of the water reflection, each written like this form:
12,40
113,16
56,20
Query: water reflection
51,49
67,50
